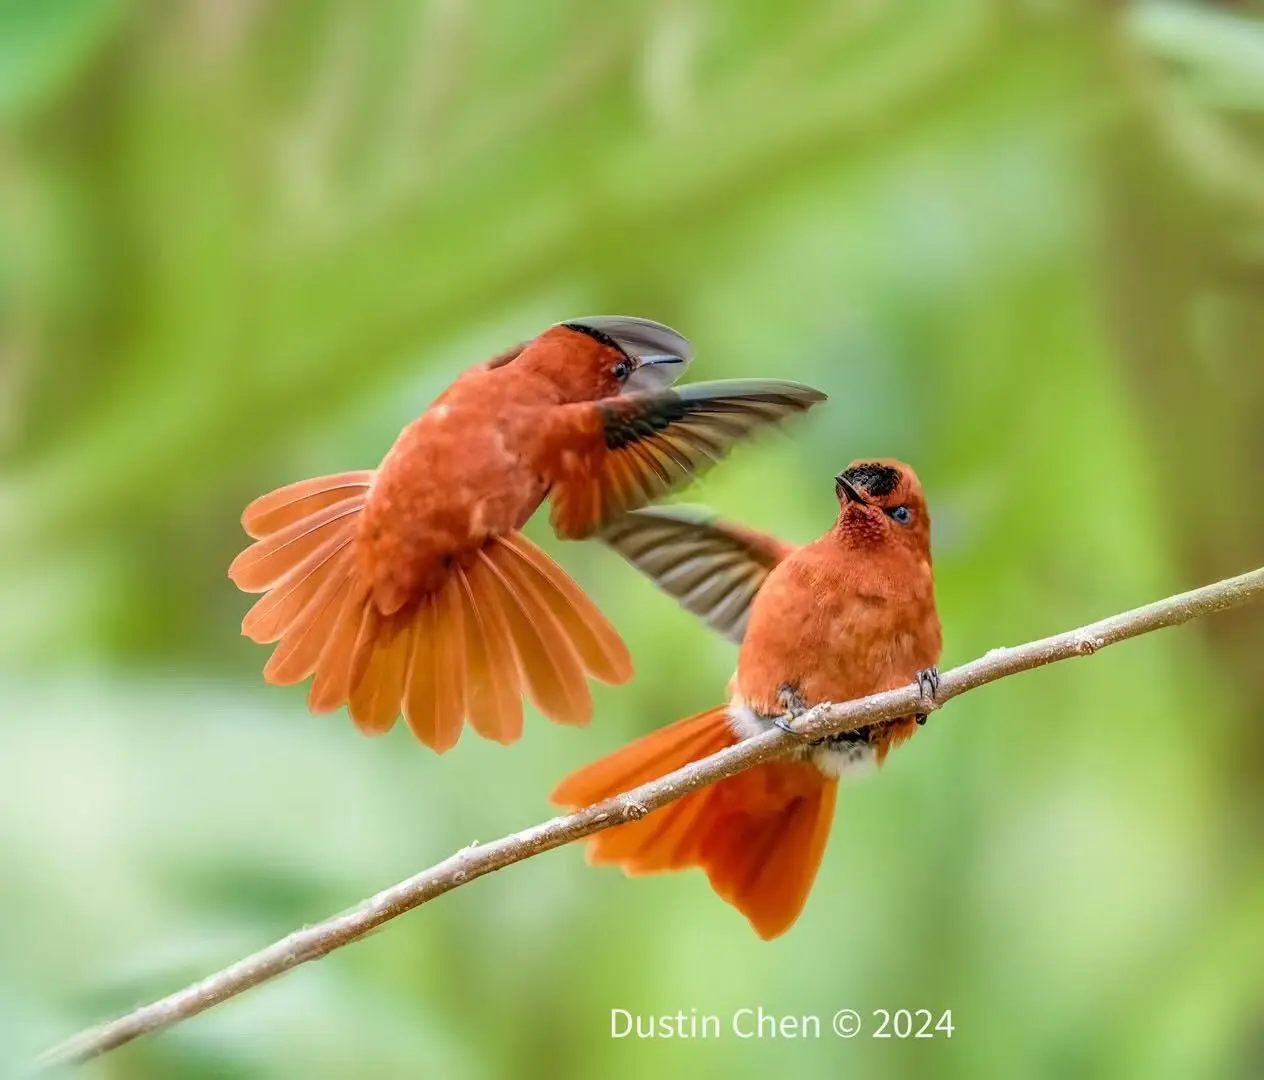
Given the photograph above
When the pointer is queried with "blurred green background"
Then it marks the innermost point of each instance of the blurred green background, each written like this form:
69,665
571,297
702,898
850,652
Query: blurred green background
1021,244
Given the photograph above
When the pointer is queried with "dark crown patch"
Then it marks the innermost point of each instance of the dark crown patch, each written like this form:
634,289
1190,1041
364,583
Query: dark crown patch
874,479
596,335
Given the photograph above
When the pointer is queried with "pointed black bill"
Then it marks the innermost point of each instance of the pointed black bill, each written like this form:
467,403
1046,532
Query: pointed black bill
656,372
847,490
659,353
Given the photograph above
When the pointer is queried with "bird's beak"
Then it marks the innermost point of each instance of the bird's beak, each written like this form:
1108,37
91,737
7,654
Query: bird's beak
660,353
656,371
846,489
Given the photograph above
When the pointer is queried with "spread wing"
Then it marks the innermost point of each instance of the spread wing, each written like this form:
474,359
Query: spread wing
714,569
622,453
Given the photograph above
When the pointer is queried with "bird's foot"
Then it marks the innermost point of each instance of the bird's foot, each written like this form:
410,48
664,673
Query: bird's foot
791,701
927,687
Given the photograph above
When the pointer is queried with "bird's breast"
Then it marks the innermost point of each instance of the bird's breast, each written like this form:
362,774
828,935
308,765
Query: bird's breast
833,636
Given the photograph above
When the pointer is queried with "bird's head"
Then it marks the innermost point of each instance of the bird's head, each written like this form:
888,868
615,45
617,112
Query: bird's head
605,355
881,504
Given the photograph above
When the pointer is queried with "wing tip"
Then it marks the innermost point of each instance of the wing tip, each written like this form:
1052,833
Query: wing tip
797,391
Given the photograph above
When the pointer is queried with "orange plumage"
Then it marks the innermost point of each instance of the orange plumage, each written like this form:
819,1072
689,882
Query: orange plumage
411,587
848,615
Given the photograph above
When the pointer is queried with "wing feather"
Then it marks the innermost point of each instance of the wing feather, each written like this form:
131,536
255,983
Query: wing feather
638,447
711,568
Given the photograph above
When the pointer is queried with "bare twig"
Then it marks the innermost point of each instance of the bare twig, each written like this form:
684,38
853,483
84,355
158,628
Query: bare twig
317,941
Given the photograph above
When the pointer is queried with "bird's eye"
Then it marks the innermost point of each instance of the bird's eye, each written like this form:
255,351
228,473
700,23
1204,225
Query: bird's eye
622,370
902,514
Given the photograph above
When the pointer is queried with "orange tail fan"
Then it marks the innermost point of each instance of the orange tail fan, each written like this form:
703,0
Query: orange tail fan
507,621
760,836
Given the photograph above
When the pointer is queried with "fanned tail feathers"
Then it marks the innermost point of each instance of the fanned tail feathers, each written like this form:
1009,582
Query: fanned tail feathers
760,836
507,621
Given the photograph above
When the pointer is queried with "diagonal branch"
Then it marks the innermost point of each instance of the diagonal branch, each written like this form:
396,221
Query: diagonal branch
320,940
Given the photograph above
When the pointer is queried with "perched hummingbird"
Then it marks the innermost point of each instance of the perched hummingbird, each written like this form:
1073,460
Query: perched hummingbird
846,616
